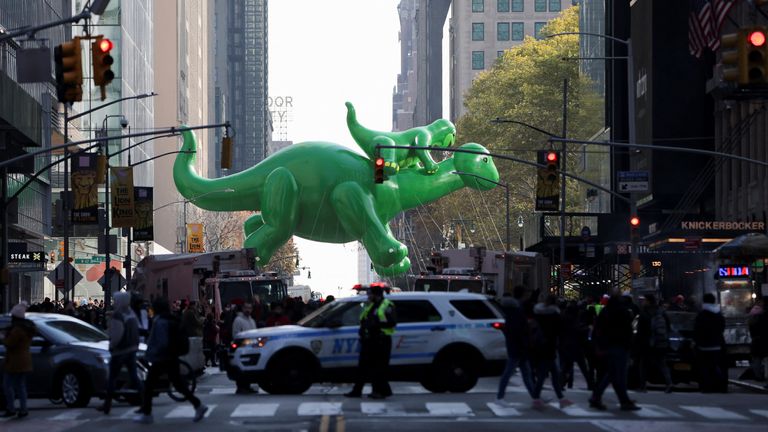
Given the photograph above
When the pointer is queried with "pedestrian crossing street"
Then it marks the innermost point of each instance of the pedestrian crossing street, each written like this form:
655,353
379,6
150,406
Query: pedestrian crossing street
353,408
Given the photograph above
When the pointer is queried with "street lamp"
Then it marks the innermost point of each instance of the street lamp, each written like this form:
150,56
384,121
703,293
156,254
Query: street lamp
506,190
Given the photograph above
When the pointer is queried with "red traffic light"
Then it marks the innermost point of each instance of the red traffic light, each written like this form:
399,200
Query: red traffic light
551,156
756,38
379,162
106,45
634,221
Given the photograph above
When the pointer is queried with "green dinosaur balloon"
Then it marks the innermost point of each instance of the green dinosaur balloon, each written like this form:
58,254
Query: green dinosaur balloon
439,133
325,192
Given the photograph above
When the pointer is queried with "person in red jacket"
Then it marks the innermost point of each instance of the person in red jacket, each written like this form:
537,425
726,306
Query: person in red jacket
278,316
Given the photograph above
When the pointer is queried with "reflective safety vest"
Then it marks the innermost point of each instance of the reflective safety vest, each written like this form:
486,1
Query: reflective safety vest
381,313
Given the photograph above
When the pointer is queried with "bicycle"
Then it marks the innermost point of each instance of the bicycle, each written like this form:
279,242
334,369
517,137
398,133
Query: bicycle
188,376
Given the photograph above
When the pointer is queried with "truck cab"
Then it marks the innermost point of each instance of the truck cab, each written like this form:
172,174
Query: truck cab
245,285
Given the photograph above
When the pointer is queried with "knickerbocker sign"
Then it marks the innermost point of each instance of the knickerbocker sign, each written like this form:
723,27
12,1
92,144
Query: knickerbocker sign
723,225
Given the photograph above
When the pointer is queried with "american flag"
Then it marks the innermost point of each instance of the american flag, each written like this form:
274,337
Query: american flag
704,23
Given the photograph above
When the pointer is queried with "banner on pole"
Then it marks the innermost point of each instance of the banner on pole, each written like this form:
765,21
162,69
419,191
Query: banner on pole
143,228
85,209
195,238
121,184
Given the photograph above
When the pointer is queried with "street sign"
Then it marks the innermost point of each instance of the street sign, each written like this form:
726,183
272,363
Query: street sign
57,275
634,181
116,280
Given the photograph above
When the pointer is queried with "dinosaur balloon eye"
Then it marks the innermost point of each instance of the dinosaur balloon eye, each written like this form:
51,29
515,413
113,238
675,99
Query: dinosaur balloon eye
485,159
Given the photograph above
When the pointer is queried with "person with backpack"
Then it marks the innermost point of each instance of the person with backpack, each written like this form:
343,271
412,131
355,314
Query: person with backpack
123,345
544,330
167,342
710,346
515,336
654,336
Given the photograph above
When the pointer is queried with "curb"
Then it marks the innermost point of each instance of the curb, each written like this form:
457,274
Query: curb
749,385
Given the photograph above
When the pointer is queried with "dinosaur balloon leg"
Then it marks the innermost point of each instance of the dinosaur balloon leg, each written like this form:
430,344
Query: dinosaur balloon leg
279,213
357,215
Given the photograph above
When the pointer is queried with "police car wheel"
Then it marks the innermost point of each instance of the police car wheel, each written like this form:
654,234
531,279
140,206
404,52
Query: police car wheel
290,373
431,383
457,368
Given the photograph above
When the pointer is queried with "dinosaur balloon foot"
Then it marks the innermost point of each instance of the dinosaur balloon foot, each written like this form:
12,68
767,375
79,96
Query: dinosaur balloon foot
394,270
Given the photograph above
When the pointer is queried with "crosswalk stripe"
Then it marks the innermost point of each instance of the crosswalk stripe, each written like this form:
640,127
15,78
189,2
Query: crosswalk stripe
223,391
655,411
505,410
129,413
449,409
716,413
68,415
255,410
759,412
577,411
382,408
187,411
319,408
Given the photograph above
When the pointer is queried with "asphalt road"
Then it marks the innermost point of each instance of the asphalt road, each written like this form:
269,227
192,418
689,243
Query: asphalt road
323,408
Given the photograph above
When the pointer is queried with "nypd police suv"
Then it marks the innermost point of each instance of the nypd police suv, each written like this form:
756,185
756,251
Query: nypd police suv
445,341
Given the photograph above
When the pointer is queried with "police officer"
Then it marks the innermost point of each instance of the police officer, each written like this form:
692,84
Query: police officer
377,324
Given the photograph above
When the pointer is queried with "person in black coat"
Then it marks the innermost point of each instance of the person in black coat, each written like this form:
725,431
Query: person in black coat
544,342
613,337
575,335
758,332
710,345
516,338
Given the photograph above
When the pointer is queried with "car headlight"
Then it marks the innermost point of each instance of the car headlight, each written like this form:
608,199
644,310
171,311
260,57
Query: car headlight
256,342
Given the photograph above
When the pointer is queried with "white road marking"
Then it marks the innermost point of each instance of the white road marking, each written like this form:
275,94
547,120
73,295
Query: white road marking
255,410
319,408
382,409
655,411
715,413
68,415
505,410
223,391
577,411
759,412
129,413
449,409
186,411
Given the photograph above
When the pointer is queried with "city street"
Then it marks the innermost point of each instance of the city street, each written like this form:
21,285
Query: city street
323,408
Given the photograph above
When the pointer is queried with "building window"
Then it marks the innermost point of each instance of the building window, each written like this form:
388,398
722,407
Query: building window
499,54
540,5
478,31
518,31
478,60
554,6
502,31
502,5
517,5
537,29
478,5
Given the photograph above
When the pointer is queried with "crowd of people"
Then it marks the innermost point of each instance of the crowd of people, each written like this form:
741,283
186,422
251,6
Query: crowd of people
550,337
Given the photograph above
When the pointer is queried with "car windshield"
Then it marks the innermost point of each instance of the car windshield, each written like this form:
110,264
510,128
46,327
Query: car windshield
72,331
334,314
429,285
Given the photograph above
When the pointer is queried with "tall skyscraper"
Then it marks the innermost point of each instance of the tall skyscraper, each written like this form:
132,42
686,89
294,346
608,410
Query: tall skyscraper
247,78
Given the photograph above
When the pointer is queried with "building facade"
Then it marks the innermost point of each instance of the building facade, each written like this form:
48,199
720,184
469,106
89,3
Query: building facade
480,32
29,120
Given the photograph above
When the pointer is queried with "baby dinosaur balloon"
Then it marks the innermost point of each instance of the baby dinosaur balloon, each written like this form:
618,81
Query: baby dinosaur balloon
439,133
325,192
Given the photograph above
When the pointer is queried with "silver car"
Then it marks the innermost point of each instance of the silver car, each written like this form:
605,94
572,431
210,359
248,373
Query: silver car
70,359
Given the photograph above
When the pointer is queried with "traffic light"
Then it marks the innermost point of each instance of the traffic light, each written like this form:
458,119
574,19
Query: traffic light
378,171
226,152
102,63
745,56
61,251
552,160
634,225
69,71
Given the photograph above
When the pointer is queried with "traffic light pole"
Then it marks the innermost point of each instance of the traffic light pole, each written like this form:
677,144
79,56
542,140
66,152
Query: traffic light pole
65,210
561,282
